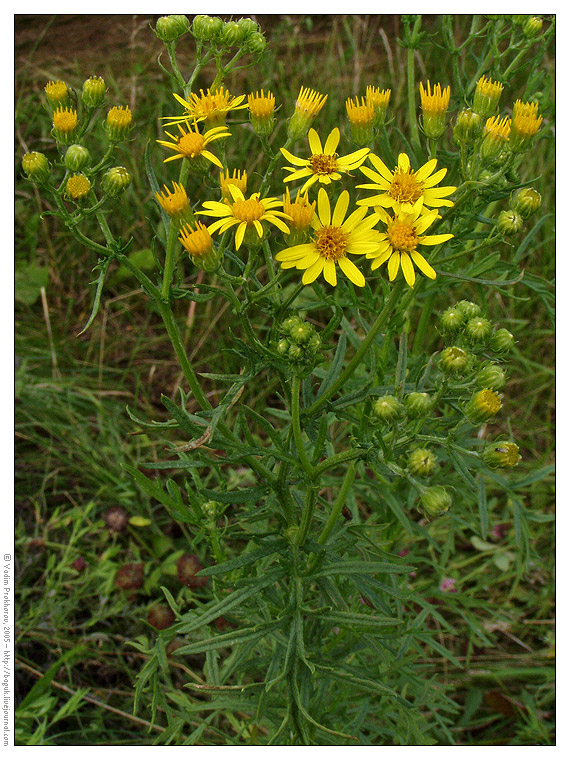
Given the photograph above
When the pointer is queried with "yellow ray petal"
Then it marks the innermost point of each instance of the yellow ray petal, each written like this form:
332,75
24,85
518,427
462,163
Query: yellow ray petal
352,272
324,207
393,265
329,271
313,271
435,239
408,269
340,209
332,142
423,265
315,142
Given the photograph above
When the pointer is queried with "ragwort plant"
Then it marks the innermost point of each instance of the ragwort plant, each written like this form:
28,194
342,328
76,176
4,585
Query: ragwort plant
305,622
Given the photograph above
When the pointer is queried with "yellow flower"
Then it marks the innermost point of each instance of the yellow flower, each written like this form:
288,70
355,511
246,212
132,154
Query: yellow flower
495,136
237,178
379,100
487,96
403,187
174,203
191,144
325,164
261,110
199,244
434,108
404,232
211,106
57,93
78,187
300,210
361,119
525,124
308,104
65,124
333,239
246,215
119,120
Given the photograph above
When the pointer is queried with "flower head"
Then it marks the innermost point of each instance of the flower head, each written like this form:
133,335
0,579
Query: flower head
399,244
308,104
300,210
211,106
77,187
119,120
525,124
245,214
501,454
175,202
333,239
65,124
379,100
57,94
361,119
191,144
237,178
495,136
434,108
487,96
483,406
325,164
36,166
93,92
199,244
261,112
404,187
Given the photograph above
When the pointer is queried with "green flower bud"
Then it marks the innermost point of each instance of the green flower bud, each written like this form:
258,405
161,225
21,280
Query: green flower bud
501,341
256,43
435,501
387,408
283,347
170,28
452,319
491,376
295,352
509,222
115,181
418,404
467,126
455,361
201,26
214,28
314,343
501,454
422,462
210,510
76,158
290,324
468,309
77,187
526,201
232,33
478,330
248,26
301,333
93,92
36,166
532,27
484,405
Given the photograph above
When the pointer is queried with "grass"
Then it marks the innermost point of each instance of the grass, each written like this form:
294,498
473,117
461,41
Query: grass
73,432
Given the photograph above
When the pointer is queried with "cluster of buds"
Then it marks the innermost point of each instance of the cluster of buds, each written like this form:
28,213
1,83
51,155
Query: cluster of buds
523,203
366,114
471,331
243,33
170,28
388,409
300,344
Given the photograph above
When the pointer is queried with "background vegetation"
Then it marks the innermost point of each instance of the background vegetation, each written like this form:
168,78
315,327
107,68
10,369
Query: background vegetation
76,671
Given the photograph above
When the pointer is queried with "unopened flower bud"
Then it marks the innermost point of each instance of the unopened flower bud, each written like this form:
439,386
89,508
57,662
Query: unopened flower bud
454,361
213,28
295,352
200,26
76,158
467,126
418,404
210,510
468,309
452,319
491,376
301,333
57,94
256,43
283,347
77,187
435,501
170,28
526,201
434,109
314,343
532,27
197,240
119,121
484,405
65,124
36,166
115,181
501,341
248,26
308,104
232,33
290,324
422,462
93,92
387,408
509,222
487,96
501,454
478,330
262,112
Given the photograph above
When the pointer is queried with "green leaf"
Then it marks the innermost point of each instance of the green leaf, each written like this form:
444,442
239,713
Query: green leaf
143,259
244,636
243,496
98,291
534,477
335,367
482,546
245,559
361,568
28,282
459,465
482,502
43,684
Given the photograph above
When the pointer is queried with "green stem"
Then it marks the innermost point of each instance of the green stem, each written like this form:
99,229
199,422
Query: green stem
423,323
296,424
334,460
311,500
339,503
363,348
412,116
170,258
269,170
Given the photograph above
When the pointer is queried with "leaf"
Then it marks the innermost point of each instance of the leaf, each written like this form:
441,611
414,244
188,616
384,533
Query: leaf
139,522
242,496
28,282
462,469
482,503
232,638
534,477
361,568
482,546
503,560
244,559
335,367
143,259
98,291
43,684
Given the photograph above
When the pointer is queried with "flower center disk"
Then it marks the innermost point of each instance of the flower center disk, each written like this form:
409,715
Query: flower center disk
331,243
248,211
323,164
191,144
402,236
405,188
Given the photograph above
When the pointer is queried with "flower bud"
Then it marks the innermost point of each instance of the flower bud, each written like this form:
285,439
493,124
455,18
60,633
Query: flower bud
487,96
526,201
501,341
232,33
478,330
361,119
213,28
468,309
379,100
36,166
301,333
115,181
210,510
119,121
65,124
176,204
435,501
93,92
387,408
197,240
314,343
491,376
501,454
455,361
422,462
283,347
170,28
418,404
295,352
76,158
57,94
496,136
434,109
509,222
290,324
467,126
261,112
484,405
532,27
308,104
200,26
77,187
248,26
452,319
256,43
